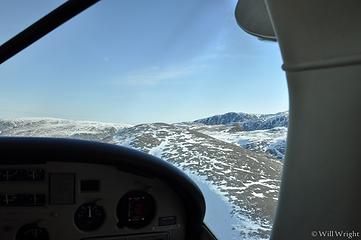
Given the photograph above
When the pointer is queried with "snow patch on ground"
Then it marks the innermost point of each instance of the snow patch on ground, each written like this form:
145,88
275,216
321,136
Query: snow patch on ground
219,217
158,150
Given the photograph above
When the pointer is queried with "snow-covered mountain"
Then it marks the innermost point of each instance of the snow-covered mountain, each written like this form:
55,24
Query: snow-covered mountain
248,181
264,133
240,185
248,122
54,127
270,141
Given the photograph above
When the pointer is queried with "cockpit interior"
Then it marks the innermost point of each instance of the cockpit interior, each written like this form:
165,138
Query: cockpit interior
57,189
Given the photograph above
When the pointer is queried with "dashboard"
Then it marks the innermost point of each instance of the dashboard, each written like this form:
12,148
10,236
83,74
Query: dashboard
72,189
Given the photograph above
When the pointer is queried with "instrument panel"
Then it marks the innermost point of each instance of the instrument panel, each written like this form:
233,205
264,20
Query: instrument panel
70,200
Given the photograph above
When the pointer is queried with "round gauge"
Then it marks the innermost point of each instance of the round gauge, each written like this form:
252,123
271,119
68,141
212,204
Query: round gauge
136,209
89,217
32,232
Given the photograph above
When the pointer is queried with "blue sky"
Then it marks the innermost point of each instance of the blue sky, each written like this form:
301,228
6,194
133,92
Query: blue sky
135,61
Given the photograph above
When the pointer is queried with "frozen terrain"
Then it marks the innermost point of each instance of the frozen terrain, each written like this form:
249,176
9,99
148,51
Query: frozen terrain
237,170
247,181
54,127
248,122
270,141
265,133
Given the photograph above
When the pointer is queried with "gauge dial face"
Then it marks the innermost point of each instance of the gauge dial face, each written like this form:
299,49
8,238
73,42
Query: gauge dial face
89,217
136,209
32,232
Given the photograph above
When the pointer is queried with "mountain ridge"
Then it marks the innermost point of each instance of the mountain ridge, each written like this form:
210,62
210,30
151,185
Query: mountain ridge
247,121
